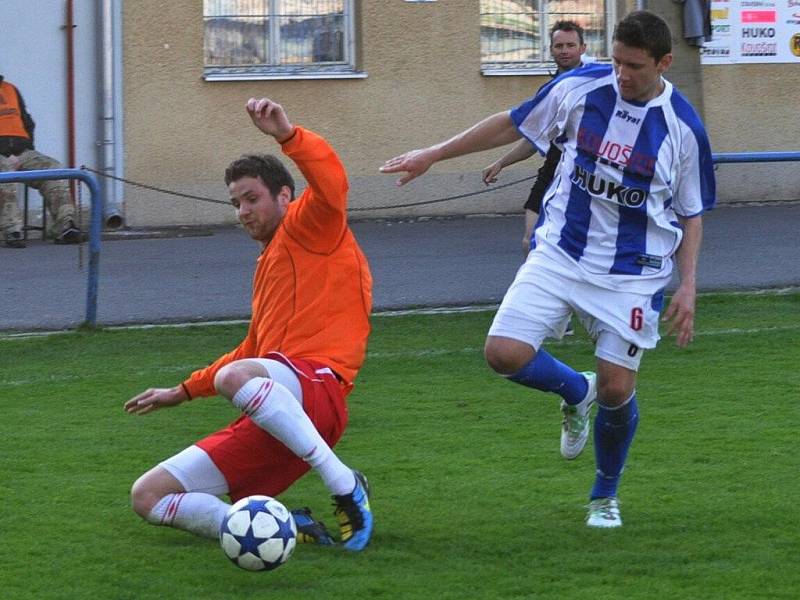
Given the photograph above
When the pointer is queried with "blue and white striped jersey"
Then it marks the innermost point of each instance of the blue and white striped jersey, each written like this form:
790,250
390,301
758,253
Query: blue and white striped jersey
627,170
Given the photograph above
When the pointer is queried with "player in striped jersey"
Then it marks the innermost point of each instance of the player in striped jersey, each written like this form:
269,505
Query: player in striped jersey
634,179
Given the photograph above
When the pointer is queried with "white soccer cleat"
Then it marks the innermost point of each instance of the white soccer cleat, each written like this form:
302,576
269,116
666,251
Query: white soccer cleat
604,512
575,422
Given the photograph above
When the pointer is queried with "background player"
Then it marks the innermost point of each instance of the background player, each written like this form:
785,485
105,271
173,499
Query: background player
634,179
567,49
306,342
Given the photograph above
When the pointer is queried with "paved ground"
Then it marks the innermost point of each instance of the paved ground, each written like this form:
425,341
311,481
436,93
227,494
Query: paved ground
430,263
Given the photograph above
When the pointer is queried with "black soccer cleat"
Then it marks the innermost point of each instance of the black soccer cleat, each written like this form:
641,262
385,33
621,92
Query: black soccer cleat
309,530
354,515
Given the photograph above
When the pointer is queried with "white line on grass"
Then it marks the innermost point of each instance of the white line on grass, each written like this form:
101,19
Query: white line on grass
444,310
572,342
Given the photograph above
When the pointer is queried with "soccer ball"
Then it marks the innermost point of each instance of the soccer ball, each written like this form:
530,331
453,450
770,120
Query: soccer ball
258,533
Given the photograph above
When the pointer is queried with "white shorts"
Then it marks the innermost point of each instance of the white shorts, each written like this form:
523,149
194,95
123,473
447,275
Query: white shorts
544,294
195,470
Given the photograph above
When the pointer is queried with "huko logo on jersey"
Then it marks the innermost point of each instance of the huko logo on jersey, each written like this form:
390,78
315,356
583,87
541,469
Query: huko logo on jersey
603,188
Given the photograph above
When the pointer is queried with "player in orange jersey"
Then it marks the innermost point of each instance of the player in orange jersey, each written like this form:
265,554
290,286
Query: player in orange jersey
312,296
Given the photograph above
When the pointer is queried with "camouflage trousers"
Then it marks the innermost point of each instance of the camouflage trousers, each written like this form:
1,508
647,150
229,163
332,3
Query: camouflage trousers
55,192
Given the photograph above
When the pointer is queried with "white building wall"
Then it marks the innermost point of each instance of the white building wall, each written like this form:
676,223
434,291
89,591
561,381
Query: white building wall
34,58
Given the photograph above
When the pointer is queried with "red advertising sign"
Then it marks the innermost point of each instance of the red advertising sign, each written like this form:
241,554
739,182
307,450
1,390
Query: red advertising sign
759,16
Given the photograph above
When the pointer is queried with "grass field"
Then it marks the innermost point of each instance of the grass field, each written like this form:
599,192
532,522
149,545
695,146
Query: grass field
471,497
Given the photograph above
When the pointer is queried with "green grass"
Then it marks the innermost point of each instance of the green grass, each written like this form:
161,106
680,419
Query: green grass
471,497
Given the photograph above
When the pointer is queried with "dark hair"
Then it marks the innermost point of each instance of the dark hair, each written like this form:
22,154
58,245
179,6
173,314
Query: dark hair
647,31
566,26
264,166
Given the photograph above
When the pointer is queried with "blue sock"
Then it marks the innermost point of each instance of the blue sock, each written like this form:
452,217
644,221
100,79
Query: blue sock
613,434
551,375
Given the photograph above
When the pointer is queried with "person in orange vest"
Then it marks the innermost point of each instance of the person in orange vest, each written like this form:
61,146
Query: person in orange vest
17,153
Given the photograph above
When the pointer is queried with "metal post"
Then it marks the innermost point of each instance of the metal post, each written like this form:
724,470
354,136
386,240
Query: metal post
95,226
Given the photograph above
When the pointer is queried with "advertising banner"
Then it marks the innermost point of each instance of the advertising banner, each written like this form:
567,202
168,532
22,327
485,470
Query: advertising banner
753,31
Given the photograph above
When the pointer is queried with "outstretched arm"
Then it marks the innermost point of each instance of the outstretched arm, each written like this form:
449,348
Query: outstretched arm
155,398
320,218
521,150
681,308
199,384
496,130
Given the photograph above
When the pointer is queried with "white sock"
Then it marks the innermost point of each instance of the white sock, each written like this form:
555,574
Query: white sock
196,512
273,408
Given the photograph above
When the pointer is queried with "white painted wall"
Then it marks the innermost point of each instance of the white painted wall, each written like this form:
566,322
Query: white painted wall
33,57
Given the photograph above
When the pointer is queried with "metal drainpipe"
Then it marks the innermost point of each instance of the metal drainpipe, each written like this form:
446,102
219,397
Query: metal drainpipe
110,48
70,30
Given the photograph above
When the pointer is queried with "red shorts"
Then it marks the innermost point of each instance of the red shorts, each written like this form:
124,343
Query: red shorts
254,462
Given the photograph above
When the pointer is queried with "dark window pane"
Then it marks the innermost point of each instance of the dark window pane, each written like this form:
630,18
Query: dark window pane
236,41
306,40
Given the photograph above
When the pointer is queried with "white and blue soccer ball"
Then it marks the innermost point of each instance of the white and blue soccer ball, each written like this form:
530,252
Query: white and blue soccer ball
258,533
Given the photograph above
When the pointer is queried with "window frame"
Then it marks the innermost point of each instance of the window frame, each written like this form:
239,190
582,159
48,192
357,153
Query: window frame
348,70
549,67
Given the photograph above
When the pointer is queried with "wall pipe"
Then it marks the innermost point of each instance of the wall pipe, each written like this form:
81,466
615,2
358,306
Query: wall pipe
113,214
95,226
70,31
119,113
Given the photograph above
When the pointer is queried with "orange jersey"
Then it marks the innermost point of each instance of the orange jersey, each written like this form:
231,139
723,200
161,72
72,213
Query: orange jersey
312,289
11,113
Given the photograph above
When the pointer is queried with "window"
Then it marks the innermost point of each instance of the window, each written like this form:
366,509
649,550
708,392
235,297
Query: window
277,39
515,34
